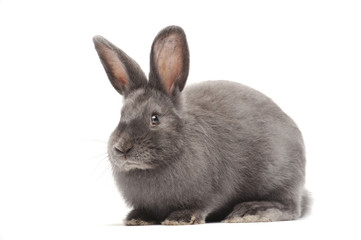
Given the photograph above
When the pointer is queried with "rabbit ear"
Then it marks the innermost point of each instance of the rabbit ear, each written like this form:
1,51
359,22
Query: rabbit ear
123,72
169,60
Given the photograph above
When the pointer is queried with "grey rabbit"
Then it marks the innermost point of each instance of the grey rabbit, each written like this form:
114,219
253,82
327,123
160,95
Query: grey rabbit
214,151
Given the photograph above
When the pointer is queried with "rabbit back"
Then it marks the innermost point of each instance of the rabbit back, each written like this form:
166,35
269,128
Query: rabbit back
253,150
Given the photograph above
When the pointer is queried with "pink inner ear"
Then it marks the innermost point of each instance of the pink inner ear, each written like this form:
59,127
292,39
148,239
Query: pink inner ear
169,59
116,66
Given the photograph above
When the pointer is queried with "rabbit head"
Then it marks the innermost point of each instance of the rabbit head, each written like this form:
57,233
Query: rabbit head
149,132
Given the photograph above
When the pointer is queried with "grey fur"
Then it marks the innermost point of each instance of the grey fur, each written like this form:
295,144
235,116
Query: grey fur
222,151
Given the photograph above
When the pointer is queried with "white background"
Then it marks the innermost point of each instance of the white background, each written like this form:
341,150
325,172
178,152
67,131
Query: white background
58,108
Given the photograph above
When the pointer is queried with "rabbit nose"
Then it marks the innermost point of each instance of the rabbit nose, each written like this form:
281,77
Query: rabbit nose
123,147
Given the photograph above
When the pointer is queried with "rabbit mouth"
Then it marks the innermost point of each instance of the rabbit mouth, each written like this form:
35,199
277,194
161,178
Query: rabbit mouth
128,165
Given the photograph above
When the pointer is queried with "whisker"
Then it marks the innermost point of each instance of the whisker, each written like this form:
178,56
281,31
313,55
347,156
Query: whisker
105,170
102,172
101,159
94,140
101,155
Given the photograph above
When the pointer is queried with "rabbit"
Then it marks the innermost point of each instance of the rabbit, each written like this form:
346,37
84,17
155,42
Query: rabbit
216,151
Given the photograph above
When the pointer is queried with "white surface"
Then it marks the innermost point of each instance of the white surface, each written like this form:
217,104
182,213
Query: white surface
58,108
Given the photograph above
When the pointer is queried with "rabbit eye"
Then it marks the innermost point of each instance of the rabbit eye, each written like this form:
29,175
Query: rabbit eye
154,119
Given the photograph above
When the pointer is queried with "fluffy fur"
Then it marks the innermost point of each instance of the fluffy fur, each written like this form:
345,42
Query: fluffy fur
221,151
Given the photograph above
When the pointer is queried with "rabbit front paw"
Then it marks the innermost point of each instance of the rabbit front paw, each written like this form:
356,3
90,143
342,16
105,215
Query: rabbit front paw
138,217
184,217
